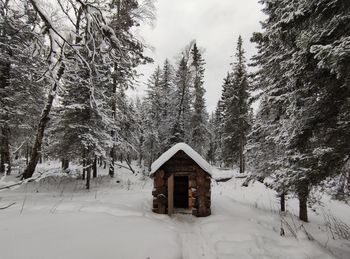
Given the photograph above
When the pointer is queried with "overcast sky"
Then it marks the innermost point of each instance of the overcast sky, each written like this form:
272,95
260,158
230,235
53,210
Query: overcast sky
214,24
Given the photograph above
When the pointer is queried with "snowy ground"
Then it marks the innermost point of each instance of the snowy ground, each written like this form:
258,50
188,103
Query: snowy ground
57,218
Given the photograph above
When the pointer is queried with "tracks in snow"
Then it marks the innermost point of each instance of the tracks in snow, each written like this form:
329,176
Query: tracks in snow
193,243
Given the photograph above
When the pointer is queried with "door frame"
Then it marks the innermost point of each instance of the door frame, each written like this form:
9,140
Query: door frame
171,192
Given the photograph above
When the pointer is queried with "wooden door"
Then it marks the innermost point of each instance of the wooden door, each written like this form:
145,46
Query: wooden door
181,192
171,195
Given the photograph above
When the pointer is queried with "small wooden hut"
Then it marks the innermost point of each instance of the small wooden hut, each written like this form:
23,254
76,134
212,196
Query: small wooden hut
182,181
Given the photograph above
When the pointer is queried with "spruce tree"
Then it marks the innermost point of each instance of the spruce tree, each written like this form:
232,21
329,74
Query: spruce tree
181,106
84,116
153,116
122,20
304,114
166,98
236,111
217,122
21,83
199,138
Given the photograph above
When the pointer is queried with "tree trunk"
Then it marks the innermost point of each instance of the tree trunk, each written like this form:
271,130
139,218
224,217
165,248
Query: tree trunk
100,161
283,202
5,165
151,157
65,164
88,174
129,165
5,78
94,168
303,193
84,164
349,180
140,161
2,163
27,154
241,156
140,153
44,119
111,164
84,169
114,114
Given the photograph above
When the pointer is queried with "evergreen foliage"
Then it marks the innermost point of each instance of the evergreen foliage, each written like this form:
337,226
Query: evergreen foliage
175,106
304,116
199,125
232,113
21,83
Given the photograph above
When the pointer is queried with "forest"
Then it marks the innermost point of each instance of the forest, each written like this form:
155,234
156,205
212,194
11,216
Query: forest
283,119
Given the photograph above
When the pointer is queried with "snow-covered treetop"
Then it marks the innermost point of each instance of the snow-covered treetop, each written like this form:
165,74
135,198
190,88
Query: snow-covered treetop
188,150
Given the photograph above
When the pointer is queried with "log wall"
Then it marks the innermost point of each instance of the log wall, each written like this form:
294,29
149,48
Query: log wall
199,185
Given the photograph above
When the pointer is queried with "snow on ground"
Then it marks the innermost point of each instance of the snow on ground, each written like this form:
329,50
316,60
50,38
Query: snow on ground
57,218
223,173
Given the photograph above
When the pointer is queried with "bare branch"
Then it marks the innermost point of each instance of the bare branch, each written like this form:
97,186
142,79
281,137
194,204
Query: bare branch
8,206
66,12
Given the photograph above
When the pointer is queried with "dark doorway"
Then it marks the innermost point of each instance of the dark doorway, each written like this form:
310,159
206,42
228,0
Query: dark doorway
181,192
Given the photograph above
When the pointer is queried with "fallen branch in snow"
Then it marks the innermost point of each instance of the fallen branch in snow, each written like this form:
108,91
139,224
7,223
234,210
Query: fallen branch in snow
223,179
247,181
123,166
20,146
129,165
309,236
290,228
241,176
21,182
8,206
129,168
11,185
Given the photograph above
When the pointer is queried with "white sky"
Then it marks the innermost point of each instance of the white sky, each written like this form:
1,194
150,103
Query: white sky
214,24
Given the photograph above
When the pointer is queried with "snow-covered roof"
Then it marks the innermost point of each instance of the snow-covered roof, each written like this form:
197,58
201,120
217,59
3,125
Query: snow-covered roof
185,148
